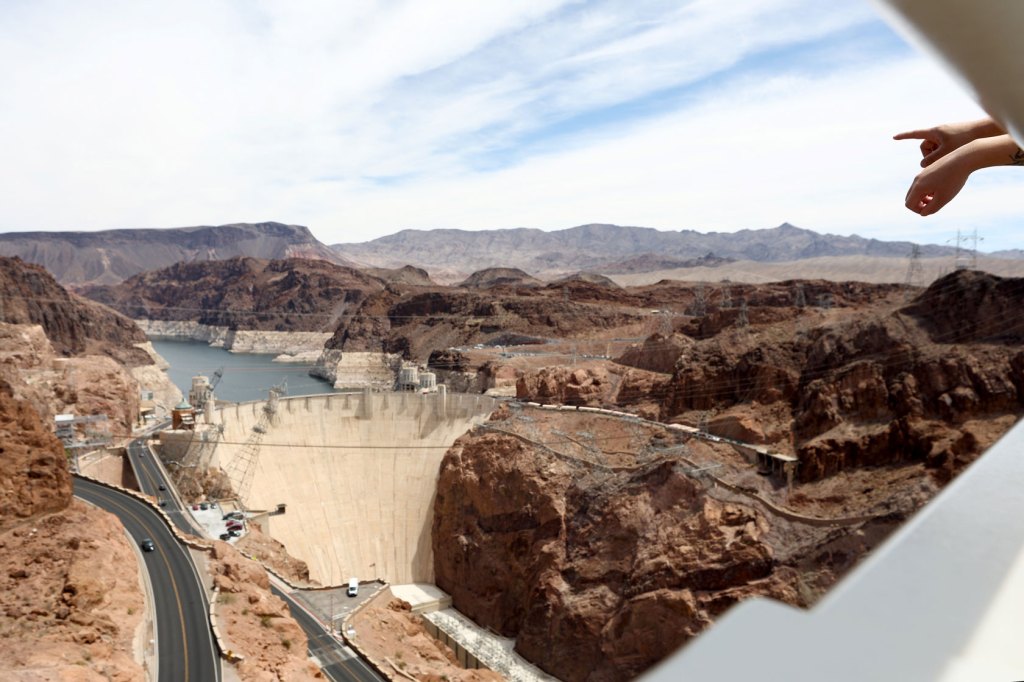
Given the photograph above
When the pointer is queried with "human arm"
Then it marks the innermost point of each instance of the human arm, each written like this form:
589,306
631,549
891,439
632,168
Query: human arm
941,140
940,181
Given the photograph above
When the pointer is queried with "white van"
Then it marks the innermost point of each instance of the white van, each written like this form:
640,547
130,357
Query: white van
353,587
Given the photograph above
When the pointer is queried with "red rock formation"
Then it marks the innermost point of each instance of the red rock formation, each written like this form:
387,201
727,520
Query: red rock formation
243,293
33,467
891,386
596,575
256,623
75,326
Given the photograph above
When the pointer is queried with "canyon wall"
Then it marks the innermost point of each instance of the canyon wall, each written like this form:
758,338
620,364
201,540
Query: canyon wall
238,340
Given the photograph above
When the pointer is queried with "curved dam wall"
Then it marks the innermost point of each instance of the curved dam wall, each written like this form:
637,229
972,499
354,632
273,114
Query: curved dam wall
358,472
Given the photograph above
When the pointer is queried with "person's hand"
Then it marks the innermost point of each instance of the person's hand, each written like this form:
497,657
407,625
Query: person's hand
941,140
937,184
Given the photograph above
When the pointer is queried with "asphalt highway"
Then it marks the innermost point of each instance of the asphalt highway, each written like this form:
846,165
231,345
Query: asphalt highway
337,661
185,643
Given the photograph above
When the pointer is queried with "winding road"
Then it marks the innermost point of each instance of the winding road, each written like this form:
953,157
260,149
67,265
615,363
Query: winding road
185,643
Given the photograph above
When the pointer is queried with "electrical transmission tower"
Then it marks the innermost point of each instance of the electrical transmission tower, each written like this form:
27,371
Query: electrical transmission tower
742,321
726,297
966,258
915,275
799,297
700,301
242,467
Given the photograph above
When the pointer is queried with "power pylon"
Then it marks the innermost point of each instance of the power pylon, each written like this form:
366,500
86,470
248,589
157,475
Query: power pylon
915,275
742,321
700,301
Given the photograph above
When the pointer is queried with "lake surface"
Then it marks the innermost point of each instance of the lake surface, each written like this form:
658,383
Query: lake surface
247,376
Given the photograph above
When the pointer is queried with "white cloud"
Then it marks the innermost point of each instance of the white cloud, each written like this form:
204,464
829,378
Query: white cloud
148,114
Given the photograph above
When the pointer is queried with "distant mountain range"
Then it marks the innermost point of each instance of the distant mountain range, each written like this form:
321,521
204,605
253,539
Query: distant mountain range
110,256
612,248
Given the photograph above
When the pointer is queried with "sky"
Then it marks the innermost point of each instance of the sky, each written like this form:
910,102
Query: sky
362,118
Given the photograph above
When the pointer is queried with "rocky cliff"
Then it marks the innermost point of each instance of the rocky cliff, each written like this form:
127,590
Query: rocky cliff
417,323
74,326
855,383
33,467
64,614
600,547
110,256
291,295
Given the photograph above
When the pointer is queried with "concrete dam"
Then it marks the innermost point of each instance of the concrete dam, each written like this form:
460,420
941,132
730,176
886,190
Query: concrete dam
358,473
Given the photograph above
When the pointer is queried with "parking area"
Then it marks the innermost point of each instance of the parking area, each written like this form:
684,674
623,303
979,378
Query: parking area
212,520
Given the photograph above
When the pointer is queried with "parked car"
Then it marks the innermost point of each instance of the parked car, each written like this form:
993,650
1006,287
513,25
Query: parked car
195,507
234,533
147,545
234,525
353,587
225,536
204,506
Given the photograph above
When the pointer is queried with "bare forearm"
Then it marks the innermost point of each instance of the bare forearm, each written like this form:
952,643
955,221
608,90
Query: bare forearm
985,152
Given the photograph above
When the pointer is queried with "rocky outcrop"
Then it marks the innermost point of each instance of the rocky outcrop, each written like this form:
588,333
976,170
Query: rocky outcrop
74,326
238,340
395,639
418,323
355,369
255,623
83,385
599,571
500,277
66,615
936,381
33,466
291,295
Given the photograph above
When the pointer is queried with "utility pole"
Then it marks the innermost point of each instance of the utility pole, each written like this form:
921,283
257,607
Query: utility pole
700,301
742,321
915,278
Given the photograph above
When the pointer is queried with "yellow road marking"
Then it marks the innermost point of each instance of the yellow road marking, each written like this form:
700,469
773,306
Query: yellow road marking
174,583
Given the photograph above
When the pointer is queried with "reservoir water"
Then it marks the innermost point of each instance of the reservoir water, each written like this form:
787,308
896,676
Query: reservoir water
247,376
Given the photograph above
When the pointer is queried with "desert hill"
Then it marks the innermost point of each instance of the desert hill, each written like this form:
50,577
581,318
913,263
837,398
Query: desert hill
611,248
293,294
109,256
74,325
609,543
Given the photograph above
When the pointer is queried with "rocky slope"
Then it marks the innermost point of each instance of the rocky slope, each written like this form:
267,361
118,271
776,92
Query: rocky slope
293,295
33,466
109,256
64,353
74,326
597,547
609,248
935,381
415,324
64,614
257,624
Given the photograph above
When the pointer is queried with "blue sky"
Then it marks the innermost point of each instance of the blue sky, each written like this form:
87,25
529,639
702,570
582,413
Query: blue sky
361,119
